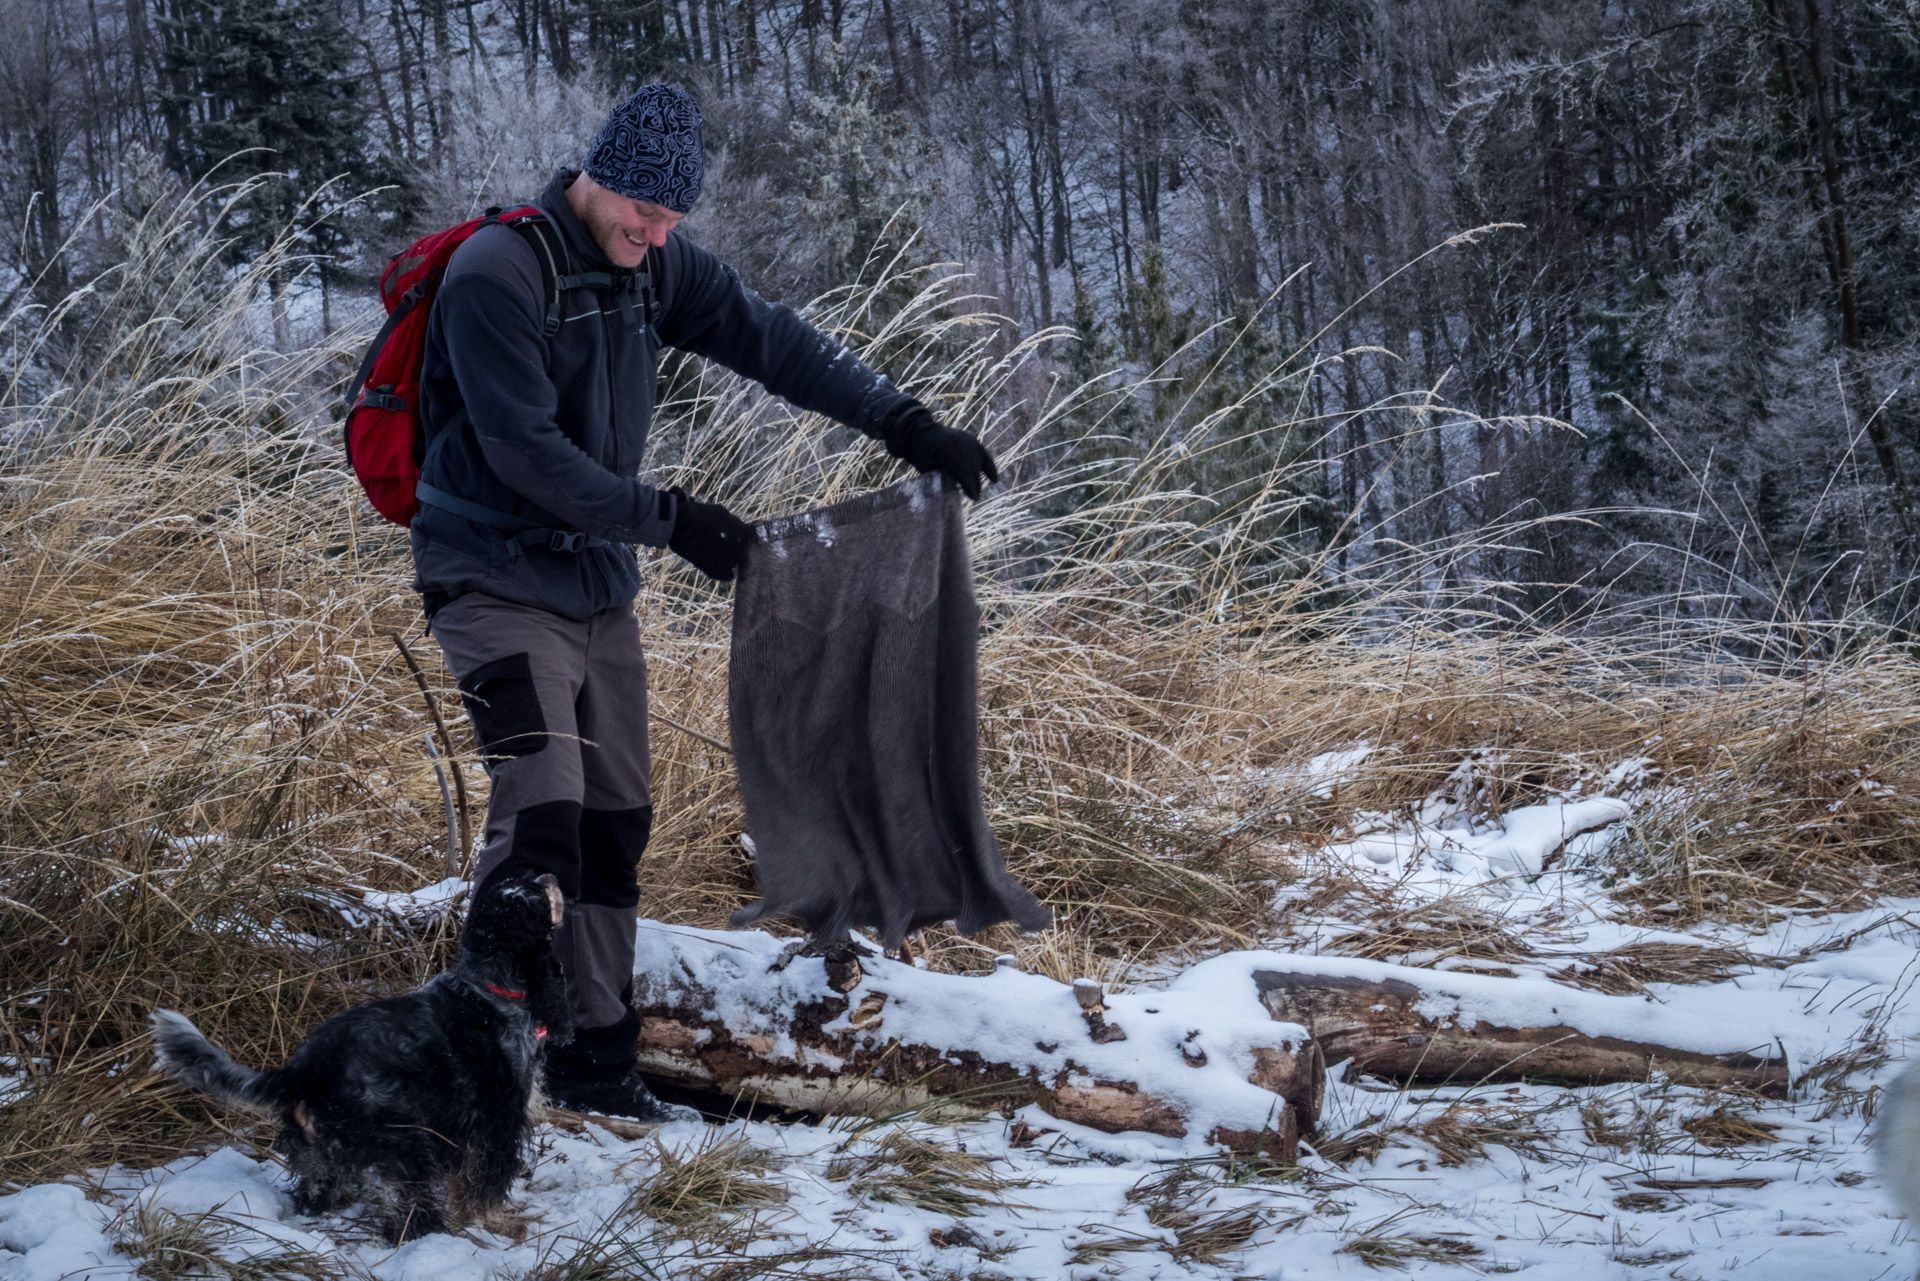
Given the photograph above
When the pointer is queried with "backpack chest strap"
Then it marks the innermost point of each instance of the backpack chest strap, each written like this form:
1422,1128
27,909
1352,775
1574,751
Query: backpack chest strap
625,286
550,249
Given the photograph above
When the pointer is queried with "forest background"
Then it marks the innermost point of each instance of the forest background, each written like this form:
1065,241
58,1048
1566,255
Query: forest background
1677,378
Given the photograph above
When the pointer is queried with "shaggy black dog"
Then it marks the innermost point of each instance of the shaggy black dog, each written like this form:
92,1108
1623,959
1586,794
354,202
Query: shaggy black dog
423,1103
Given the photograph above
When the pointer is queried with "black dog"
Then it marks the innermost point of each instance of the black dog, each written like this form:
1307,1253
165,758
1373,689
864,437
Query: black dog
424,1102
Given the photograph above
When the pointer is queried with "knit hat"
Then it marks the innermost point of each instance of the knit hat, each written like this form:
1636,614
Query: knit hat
651,149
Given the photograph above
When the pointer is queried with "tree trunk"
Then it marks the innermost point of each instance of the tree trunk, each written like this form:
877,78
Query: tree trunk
1379,1026
442,80
719,45
394,136
1829,199
893,53
398,22
282,324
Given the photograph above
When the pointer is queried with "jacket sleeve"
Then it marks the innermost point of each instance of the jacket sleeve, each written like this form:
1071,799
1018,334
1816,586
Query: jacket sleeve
499,358
707,311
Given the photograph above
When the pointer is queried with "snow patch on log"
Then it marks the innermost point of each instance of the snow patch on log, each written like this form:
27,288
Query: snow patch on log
1715,1019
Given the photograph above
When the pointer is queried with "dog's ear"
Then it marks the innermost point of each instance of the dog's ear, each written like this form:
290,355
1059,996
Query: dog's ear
555,902
547,998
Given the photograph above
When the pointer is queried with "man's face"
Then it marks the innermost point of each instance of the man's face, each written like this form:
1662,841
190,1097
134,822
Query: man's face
622,226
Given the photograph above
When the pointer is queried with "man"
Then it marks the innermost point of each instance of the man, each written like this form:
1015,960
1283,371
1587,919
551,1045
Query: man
532,503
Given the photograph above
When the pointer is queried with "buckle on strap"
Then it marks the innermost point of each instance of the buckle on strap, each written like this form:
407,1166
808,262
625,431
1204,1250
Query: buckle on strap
569,541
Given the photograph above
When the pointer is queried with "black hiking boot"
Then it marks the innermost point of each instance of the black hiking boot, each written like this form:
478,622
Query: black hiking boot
624,1096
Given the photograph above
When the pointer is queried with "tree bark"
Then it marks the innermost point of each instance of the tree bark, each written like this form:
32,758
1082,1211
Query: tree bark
1378,1026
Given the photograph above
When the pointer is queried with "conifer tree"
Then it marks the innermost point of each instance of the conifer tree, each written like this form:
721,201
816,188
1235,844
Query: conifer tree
268,77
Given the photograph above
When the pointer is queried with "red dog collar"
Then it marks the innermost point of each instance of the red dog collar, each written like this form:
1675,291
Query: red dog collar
539,1031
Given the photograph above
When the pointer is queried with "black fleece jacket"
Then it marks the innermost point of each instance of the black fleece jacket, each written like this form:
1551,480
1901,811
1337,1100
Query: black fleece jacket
553,431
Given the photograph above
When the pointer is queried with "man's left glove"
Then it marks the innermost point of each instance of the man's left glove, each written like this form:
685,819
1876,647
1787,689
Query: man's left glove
915,436
708,536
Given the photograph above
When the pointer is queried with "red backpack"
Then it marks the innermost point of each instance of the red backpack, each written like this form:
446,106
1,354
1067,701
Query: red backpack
384,439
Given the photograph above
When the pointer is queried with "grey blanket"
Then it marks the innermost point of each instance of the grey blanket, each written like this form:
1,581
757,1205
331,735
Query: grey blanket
854,717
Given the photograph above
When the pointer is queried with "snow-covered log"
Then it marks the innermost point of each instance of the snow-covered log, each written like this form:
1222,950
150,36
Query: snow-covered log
871,1036
1438,1027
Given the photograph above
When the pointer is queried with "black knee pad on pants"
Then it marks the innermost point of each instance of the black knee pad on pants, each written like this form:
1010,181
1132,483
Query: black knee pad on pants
611,843
546,838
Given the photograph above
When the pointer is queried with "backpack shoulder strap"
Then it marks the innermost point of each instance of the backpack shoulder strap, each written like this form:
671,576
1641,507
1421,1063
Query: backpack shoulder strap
550,248
550,251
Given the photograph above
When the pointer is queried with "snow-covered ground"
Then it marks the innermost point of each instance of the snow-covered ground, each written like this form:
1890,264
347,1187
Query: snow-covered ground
1627,1181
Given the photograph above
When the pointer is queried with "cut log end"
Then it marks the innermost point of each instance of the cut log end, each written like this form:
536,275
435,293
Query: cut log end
1279,1143
1299,1076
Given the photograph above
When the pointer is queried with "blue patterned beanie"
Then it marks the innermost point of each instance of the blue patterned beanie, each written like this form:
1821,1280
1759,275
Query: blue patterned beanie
651,149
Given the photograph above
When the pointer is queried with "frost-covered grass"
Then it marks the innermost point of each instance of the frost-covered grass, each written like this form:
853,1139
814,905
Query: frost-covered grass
1198,735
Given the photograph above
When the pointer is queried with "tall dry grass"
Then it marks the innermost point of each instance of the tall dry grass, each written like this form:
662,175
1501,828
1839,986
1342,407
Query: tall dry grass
211,745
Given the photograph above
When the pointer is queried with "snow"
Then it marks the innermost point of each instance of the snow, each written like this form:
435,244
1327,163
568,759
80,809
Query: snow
1321,776
1519,846
1586,1184
1556,1219
30,1219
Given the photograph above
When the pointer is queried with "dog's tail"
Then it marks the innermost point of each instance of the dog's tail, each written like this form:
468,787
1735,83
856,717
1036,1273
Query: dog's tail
190,1057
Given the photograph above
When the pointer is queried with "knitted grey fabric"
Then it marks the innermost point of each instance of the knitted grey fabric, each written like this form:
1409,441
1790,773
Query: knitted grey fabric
853,701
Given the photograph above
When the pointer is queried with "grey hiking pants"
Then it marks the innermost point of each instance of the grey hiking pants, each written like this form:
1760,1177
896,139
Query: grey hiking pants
559,711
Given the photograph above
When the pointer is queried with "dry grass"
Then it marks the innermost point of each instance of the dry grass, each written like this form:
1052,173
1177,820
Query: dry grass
1466,1129
701,1192
1655,1123
211,744
1730,1124
1392,1250
903,1164
1631,968
1451,927
1364,1141
1184,1203
629,1247
166,1246
1459,1133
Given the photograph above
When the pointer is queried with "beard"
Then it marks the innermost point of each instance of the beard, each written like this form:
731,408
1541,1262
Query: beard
612,239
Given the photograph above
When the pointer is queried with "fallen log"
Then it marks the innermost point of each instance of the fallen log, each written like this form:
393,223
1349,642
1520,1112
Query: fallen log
577,1122
721,1014
1399,1027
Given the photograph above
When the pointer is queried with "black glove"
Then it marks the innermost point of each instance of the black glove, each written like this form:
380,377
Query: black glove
708,536
915,436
